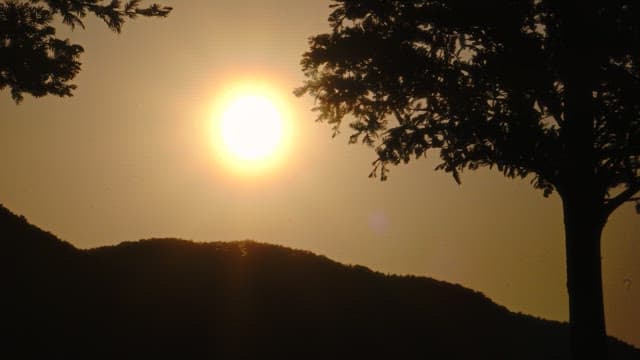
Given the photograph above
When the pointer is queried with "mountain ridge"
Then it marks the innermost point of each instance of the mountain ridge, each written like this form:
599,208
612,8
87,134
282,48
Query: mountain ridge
245,299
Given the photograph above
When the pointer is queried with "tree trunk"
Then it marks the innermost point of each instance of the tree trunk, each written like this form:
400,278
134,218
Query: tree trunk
583,230
582,195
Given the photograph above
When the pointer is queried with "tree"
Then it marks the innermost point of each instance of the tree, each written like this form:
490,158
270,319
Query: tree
544,89
33,60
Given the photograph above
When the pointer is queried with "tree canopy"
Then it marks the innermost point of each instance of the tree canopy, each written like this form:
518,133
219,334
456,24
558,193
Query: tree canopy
33,60
485,83
546,89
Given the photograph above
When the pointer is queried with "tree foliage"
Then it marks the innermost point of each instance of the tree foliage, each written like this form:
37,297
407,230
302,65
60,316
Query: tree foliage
485,83
34,60
545,89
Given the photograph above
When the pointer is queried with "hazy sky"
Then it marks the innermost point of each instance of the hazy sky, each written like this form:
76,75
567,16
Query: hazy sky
130,156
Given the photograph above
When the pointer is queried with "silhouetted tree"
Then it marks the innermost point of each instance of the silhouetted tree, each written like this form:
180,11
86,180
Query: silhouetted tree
33,60
540,88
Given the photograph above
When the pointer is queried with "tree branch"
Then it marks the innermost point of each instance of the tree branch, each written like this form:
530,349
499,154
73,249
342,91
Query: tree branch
613,203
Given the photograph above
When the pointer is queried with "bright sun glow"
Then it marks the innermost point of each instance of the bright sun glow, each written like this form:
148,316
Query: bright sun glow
251,128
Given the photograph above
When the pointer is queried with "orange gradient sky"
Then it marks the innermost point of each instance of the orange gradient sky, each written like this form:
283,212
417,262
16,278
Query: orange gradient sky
131,156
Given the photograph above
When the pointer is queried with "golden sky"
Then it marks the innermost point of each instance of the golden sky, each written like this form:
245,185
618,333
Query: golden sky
133,155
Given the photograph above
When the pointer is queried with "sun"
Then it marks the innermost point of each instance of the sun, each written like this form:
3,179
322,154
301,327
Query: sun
251,128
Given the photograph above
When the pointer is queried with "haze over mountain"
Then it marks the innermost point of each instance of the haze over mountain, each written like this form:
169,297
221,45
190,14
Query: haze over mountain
181,299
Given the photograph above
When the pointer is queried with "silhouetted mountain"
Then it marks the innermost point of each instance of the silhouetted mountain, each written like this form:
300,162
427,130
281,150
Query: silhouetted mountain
179,299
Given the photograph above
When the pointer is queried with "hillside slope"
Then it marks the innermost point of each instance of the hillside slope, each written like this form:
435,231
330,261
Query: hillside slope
181,299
